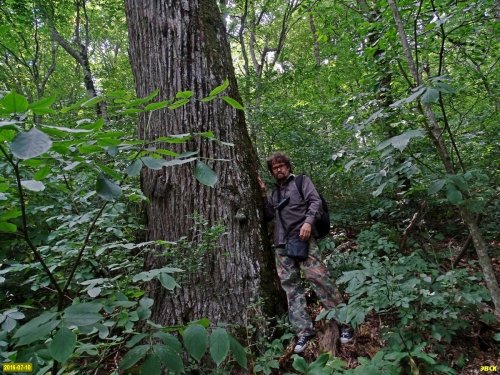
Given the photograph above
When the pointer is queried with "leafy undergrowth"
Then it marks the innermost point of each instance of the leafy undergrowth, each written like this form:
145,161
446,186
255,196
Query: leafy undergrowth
466,351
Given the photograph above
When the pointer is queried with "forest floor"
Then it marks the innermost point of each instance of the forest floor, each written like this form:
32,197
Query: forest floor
468,352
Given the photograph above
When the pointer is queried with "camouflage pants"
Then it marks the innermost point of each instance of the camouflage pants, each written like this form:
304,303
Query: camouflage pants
315,273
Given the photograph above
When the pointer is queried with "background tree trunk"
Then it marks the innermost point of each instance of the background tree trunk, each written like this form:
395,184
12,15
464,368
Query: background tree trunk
181,45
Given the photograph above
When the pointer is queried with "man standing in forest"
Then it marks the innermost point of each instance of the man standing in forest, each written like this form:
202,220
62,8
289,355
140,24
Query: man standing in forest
295,212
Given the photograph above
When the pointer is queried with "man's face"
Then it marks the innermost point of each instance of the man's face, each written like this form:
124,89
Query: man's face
280,171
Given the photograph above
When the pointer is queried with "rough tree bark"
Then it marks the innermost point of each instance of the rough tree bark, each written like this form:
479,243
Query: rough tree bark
181,45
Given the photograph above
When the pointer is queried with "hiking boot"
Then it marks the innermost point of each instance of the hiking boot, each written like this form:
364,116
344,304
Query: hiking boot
301,344
345,334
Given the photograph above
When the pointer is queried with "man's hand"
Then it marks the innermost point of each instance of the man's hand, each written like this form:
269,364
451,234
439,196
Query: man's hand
262,186
305,232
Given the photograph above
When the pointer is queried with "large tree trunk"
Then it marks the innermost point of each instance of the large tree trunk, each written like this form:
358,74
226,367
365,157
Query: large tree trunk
181,45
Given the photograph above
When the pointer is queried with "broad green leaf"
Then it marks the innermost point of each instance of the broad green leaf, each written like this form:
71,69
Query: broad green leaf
219,345
379,190
167,281
153,163
30,144
42,106
409,99
178,103
299,364
83,314
220,88
181,138
63,344
63,130
135,340
171,163
156,106
33,185
42,173
7,227
8,324
454,196
151,366
107,189
204,174
171,342
133,356
435,186
171,360
134,169
233,103
208,135
238,352
431,95
196,341
40,333
401,141
32,326
184,94
166,152
14,102
92,101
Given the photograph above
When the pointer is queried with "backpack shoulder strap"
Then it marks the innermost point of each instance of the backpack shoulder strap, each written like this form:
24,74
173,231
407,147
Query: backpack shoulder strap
298,182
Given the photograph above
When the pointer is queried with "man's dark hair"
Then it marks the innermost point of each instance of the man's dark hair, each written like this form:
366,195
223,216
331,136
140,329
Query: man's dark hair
278,157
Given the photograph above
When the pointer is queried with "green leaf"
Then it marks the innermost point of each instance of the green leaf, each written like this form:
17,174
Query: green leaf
135,340
184,94
62,129
171,360
204,174
14,103
166,152
238,352
92,101
178,103
33,325
436,186
83,314
431,95
107,189
219,345
8,324
167,281
401,141
171,342
134,169
233,103
156,106
171,163
63,344
7,227
151,366
196,341
42,173
220,88
42,106
30,144
454,196
153,163
36,329
299,364
33,185
181,138
133,356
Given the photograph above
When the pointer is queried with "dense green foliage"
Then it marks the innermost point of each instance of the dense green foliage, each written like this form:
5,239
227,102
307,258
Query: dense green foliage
326,81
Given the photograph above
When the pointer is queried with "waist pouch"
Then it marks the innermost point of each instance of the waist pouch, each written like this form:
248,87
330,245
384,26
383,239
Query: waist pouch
296,248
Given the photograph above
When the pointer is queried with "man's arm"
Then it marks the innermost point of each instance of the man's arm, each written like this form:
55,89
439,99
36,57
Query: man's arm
268,205
313,202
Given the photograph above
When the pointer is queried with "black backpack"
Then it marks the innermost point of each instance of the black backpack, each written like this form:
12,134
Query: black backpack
321,224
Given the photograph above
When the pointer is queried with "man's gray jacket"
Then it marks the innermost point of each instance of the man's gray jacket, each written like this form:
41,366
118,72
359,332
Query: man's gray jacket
297,212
